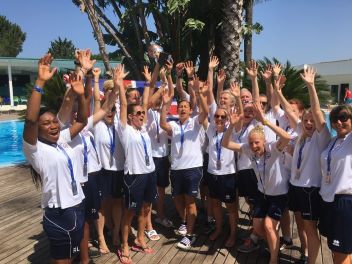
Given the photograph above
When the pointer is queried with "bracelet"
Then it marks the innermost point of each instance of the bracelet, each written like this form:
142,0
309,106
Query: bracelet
265,122
147,84
38,89
84,73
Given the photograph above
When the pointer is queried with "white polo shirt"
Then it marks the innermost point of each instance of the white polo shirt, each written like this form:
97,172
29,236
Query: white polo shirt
340,168
269,134
271,176
52,165
189,154
103,135
135,144
311,148
227,157
157,135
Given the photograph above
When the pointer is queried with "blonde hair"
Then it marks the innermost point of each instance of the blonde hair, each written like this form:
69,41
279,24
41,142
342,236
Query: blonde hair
108,85
259,130
232,98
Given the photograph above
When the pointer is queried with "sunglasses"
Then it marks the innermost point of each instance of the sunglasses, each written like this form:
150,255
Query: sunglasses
113,109
139,113
263,103
222,117
343,117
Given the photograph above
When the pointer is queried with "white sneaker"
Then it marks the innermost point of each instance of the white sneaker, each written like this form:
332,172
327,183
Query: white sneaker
182,230
186,242
164,222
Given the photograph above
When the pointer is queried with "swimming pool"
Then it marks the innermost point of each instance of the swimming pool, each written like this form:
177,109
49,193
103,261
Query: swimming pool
11,143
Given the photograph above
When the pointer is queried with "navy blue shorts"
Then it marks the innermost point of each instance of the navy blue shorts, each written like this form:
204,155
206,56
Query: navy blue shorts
335,223
139,188
92,194
268,205
305,200
64,228
186,181
162,171
205,178
222,187
111,184
247,184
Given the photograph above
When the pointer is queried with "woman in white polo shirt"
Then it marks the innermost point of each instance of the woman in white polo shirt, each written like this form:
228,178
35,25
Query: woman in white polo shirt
139,169
336,186
62,194
272,184
186,159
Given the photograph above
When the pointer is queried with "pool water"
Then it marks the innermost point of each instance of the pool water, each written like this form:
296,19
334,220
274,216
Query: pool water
11,143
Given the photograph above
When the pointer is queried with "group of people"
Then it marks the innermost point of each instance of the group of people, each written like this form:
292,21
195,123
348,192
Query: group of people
103,165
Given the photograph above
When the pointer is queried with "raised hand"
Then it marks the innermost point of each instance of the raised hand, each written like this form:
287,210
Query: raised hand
235,89
252,69
258,113
83,56
166,97
169,65
76,82
221,76
204,88
308,76
189,69
119,73
277,69
279,83
146,73
179,68
213,62
267,73
96,73
44,71
235,117
196,83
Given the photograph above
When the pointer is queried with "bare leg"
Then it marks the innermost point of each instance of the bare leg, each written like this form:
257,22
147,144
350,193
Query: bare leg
126,225
142,220
103,248
191,213
302,233
340,258
84,251
258,227
310,228
218,214
160,203
116,218
285,224
272,235
233,219
180,206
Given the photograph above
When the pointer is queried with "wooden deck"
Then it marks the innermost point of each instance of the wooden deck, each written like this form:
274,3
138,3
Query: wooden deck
22,239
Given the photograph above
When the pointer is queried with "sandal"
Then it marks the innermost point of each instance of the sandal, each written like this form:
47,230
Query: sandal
138,248
123,256
152,235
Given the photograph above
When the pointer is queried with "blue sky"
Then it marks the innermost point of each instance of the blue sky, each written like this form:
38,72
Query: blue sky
301,31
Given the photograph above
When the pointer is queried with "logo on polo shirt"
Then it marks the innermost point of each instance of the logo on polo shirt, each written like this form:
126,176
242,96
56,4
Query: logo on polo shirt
227,197
133,204
336,243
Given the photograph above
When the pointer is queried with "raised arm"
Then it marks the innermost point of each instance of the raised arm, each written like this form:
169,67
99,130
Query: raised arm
279,83
65,111
165,108
308,77
168,66
214,62
235,91
201,93
272,98
30,132
227,142
252,72
220,80
179,86
119,75
96,90
284,137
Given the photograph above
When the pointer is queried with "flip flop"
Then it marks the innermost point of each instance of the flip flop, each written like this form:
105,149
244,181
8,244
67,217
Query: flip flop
104,251
152,235
121,256
146,250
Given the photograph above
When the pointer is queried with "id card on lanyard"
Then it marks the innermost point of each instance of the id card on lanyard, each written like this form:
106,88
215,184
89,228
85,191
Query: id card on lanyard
218,149
70,167
261,175
146,156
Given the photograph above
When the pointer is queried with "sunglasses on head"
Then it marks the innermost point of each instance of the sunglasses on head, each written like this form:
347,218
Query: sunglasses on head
343,117
138,113
222,117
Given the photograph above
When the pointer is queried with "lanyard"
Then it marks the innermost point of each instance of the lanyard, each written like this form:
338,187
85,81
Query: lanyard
218,145
287,128
242,132
95,148
70,167
262,181
146,156
155,117
183,132
329,157
299,160
112,139
85,152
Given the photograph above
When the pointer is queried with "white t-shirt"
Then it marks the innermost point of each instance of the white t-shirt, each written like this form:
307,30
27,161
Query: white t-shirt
270,135
270,174
159,147
340,168
227,157
104,136
189,154
135,144
309,175
50,162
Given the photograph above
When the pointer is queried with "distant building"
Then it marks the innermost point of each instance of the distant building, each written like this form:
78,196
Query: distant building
16,73
337,74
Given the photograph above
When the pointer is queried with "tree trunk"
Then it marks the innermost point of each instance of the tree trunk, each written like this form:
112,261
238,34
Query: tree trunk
143,22
97,32
231,38
247,41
